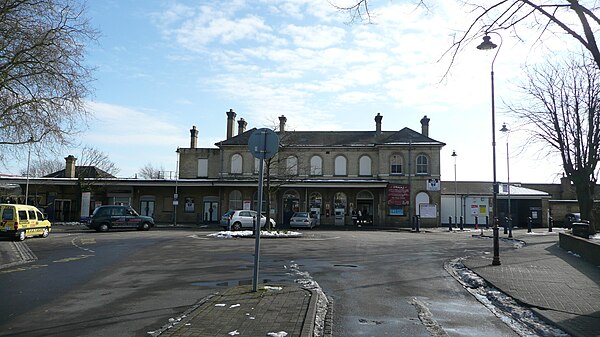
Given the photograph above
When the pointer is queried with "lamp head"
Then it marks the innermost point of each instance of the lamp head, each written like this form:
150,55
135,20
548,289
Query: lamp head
486,44
453,153
504,128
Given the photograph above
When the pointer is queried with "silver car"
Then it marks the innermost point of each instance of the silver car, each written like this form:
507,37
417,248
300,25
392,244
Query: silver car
236,220
302,219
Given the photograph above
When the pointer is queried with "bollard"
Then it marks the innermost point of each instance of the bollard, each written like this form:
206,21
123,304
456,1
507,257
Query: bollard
461,223
510,227
417,223
450,224
505,225
550,224
413,223
476,222
529,223
487,222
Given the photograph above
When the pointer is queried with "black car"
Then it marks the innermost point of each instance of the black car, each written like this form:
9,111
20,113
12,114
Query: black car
108,217
570,218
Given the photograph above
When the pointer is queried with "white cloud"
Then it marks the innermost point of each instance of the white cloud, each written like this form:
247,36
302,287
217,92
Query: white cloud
314,37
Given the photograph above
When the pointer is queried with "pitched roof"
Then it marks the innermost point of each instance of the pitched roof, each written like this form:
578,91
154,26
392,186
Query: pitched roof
82,172
340,138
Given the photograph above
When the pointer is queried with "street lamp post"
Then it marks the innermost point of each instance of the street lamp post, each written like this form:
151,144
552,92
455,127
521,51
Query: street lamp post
176,195
455,189
507,132
488,45
29,141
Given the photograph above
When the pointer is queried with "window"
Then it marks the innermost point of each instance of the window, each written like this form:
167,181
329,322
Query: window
257,165
236,164
235,200
316,166
8,214
396,164
31,214
22,215
291,166
422,164
203,168
340,166
364,166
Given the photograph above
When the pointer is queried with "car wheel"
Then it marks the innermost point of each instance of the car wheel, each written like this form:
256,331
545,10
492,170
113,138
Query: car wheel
103,228
21,236
45,233
145,226
236,226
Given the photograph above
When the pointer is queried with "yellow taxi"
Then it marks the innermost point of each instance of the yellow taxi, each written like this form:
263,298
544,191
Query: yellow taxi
23,221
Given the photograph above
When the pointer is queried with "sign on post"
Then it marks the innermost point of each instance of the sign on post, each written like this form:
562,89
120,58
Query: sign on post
263,144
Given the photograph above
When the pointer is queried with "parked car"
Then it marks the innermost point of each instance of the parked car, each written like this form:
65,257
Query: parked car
570,218
302,219
114,216
237,219
23,221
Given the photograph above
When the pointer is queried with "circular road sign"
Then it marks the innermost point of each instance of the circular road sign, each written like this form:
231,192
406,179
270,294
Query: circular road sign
263,143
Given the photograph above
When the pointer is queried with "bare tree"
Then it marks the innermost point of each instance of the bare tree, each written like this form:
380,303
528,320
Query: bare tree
41,167
563,111
43,79
96,158
151,172
515,16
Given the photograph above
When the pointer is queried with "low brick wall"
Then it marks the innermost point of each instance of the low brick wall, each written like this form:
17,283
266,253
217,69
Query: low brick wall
588,250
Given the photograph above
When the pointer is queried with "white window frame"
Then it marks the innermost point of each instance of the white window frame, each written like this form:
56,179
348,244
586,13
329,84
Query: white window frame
203,168
365,166
340,166
237,162
291,165
422,164
316,166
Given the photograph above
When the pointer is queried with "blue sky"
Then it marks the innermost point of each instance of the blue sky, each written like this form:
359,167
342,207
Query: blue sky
164,66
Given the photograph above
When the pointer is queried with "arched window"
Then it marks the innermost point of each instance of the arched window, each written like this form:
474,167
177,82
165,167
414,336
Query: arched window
235,200
364,166
396,164
340,201
340,166
422,164
236,164
291,165
316,166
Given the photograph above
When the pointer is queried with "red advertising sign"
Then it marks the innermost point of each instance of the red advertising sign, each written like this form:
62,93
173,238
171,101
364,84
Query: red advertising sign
398,195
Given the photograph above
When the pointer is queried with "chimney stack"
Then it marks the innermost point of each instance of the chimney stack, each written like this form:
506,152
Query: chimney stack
241,126
378,119
230,125
282,121
70,166
193,137
425,126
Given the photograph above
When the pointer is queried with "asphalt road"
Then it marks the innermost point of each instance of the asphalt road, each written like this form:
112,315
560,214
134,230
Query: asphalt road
128,283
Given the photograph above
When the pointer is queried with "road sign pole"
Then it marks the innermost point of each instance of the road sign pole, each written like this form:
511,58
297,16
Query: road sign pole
263,144
257,229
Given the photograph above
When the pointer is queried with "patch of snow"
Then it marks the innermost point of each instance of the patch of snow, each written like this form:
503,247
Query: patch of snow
271,288
233,333
234,306
307,282
220,305
574,254
249,234
521,319
277,334
595,236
